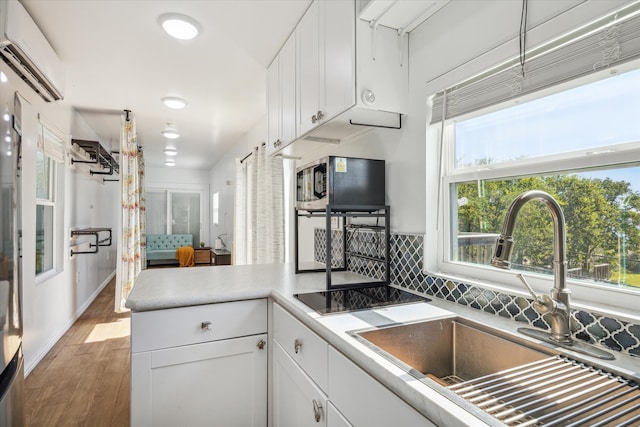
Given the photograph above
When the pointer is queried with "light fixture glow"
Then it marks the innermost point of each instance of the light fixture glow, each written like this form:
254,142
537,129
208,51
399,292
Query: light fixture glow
170,151
6,117
3,77
171,131
170,162
180,26
174,102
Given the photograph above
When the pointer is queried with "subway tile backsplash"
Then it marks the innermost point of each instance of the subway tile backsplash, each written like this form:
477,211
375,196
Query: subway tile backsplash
406,253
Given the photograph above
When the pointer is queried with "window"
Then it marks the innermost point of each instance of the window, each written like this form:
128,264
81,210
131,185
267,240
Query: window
580,145
49,153
215,208
575,136
174,212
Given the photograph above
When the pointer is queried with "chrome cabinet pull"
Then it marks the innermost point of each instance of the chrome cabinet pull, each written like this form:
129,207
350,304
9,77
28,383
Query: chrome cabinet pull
320,115
297,345
314,119
277,143
317,410
261,344
205,326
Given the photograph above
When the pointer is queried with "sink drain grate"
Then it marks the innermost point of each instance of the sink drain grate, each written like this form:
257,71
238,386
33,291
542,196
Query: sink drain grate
555,392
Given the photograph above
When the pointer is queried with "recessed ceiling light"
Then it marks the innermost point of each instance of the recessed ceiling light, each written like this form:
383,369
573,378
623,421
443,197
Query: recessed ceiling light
170,131
170,162
174,102
3,77
180,26
170,151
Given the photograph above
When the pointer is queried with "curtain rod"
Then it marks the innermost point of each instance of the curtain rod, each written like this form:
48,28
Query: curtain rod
249,155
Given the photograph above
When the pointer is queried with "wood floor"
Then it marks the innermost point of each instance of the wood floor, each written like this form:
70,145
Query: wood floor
84,380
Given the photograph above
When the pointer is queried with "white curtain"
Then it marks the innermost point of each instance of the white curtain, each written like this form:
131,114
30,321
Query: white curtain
133,238
259,209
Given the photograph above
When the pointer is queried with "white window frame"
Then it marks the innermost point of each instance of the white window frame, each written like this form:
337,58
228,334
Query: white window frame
51,201
186,188
440,145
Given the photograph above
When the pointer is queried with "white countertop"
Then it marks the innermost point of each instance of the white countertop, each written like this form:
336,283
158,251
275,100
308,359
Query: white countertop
178,287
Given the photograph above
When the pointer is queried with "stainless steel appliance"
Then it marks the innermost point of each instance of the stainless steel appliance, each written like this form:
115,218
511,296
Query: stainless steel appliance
11,360
340,181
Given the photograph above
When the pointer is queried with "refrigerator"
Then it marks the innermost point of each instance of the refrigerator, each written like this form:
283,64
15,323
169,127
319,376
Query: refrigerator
11,358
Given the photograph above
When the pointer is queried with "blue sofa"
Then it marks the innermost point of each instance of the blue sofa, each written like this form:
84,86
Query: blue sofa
162,247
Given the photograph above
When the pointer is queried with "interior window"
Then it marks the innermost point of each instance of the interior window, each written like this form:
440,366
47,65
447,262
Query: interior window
45,206
580,145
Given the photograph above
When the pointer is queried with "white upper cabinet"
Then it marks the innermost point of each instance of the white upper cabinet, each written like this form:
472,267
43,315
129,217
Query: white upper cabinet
350,77
325,62
281,98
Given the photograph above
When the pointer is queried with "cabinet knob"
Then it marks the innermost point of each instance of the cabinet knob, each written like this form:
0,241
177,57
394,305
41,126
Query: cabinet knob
314,119
320,115
297,345
205,326
261,344
317,410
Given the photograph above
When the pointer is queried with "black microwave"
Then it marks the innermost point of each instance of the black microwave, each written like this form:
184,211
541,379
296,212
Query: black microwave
340,181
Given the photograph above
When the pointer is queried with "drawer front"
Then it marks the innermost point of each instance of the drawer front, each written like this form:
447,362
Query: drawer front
202,256
152,330
303,345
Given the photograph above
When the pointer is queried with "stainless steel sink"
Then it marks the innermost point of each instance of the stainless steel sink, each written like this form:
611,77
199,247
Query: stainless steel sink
512,383
449,349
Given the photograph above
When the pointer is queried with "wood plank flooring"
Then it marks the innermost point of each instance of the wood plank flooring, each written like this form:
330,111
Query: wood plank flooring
84,379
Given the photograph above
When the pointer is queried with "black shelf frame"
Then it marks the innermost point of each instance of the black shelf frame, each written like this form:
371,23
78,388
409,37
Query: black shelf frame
345,212
95,233
98,156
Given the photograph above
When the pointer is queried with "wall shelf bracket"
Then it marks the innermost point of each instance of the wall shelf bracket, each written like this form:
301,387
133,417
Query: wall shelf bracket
95,233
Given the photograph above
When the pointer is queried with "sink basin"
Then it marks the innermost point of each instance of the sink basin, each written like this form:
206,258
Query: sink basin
478,367
449,350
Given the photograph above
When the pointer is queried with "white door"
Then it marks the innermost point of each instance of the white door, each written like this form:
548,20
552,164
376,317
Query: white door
297,401
337,57
221,383
307,61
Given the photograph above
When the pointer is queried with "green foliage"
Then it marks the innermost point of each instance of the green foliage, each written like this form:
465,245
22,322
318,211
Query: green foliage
602,216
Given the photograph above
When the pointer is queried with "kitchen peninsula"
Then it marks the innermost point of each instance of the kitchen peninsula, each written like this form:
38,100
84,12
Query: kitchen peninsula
213,333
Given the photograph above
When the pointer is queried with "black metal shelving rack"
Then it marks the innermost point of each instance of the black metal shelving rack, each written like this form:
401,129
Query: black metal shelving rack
346,212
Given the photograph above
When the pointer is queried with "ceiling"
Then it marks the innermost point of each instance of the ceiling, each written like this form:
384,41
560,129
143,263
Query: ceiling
117,57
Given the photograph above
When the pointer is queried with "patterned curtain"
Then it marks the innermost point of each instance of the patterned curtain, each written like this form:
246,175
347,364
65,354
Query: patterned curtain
259,209
132,246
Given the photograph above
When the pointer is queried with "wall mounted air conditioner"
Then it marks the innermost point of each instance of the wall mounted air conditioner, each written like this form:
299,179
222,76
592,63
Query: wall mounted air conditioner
26,50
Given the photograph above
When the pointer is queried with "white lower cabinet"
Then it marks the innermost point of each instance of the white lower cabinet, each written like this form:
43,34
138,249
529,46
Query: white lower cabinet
363,400
335,418
213,380
297,400
312,378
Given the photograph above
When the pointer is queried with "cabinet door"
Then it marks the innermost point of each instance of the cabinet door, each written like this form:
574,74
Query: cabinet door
222,383
287,60
273,106
335,418
307,69
352,391
337,57
297,402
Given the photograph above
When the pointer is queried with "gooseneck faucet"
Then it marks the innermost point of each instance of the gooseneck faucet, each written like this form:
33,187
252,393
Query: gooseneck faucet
558,304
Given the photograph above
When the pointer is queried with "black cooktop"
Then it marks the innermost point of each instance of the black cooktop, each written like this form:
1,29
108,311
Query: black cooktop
341,300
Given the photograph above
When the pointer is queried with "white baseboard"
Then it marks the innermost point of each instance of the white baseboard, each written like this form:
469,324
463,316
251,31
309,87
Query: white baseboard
31,366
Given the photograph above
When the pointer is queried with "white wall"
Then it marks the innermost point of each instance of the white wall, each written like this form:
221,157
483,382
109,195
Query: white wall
50,304
222,178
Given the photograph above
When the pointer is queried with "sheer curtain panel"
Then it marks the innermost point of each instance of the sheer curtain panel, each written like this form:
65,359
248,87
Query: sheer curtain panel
259,209
133,239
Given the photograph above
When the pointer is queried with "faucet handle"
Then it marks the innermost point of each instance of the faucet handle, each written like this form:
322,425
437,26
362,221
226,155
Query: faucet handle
544,304
537,300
